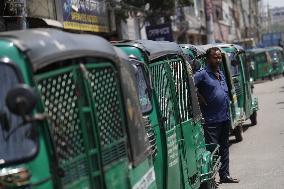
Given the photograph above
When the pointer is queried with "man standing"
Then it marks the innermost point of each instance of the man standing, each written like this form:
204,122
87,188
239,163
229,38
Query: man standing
214,103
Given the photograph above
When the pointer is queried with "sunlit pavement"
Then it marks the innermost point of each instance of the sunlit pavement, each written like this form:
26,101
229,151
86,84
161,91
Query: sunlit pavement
258,161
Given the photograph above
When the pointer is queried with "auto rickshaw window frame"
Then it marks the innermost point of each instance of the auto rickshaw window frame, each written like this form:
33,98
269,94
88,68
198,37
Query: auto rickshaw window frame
7,61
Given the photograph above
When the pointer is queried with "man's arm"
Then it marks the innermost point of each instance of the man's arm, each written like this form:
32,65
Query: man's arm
198,79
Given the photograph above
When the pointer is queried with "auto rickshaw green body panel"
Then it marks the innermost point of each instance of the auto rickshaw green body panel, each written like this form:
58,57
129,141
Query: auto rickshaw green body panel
93,135
183,159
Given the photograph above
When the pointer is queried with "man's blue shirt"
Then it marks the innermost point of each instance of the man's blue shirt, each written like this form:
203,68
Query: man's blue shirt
215,106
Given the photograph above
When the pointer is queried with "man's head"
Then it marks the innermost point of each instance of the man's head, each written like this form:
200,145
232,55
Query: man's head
214,57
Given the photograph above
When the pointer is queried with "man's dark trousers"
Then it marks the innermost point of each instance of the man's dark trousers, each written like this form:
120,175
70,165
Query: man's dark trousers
218,133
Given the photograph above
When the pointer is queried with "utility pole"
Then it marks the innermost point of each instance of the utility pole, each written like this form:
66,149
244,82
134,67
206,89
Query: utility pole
269,17
209,21
251,23
24,15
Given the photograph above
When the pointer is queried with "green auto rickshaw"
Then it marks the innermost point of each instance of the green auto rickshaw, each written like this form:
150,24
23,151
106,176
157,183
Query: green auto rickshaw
248,105
170,106
261,64
70,114
277,56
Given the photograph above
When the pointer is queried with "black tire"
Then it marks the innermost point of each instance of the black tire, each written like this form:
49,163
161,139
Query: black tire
271,77
239,133
253,118
211,184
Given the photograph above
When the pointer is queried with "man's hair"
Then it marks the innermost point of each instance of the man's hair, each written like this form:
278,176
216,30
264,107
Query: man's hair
208,51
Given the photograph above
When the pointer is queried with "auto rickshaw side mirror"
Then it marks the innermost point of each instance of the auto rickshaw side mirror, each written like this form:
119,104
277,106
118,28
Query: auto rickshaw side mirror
21,100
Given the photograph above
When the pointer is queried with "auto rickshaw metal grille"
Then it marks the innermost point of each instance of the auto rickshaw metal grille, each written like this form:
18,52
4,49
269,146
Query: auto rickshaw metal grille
180,76
151,135
77,143
197,115
60,102
105,91
238,87
161,81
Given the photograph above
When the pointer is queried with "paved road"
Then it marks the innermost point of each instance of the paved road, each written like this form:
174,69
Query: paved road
258,161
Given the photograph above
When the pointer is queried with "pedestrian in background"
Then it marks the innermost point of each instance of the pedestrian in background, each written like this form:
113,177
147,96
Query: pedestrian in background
214,103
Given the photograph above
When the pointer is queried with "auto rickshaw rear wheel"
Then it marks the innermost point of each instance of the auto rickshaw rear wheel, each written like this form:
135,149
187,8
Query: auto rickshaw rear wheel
253,118
238,132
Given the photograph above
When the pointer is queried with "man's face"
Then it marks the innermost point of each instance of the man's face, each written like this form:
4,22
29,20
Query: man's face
215,59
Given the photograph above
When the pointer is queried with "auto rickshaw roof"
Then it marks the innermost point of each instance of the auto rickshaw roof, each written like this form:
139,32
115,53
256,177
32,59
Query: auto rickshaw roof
154,49
256,50
208,46
233,46
274,48
196,49
44,46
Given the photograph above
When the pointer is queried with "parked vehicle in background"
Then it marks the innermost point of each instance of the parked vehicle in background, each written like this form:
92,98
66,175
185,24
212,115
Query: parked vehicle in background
277,56
70,114
248,105
261,64
183,159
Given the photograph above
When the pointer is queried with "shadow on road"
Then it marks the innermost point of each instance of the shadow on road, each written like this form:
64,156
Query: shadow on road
260,81
246,126
232,141
267,80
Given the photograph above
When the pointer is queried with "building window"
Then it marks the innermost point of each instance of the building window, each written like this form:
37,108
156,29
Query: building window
218,14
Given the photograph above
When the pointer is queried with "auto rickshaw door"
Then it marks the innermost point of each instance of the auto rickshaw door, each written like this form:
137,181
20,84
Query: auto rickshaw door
246,85
172,88
85,123
225,67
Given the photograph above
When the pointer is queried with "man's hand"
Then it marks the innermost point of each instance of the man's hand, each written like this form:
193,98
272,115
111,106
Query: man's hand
201,99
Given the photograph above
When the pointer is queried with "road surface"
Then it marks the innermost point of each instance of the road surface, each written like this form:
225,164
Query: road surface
258,161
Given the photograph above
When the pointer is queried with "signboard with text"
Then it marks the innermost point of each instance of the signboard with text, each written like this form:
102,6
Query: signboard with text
85,15
162,32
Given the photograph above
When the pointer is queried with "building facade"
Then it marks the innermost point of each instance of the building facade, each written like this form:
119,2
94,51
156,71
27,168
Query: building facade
277,15
76,15
277,19
250,19
195,18
226,18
